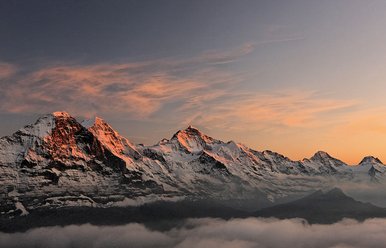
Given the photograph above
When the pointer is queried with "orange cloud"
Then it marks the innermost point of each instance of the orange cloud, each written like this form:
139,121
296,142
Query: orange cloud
137,89
200,92
256,111
202,95
100,88
196,91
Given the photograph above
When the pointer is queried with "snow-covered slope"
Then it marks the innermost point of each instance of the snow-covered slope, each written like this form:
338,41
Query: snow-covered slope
59,161
370,167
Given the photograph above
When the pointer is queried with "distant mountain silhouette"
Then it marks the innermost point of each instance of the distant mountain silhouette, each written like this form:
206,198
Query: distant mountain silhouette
321,207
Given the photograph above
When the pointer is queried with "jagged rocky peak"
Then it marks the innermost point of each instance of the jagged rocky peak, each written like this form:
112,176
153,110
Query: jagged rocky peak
274,154
47,124
163,141
190,130
63,119
65,124
97,125
110,138
100,128
325,158
53,136
370,160
61,114
68,141
193,132
192,139
321,155
63,140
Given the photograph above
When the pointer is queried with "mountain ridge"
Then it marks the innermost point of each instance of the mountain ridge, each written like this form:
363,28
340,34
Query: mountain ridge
97,120
59,161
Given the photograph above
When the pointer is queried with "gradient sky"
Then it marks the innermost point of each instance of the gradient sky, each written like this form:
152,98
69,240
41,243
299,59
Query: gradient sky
290,76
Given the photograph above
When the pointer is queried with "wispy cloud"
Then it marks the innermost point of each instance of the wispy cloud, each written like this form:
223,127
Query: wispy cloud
138,89
275,33
260,110
221,57
196,90
201,91
124,88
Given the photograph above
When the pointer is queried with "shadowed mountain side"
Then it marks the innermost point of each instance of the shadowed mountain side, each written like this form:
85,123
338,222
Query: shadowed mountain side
324,208
158,215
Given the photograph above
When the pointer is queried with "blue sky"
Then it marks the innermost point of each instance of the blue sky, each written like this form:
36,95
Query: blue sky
291,76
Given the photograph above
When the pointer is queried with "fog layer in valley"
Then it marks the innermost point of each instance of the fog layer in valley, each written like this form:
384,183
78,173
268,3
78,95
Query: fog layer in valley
251,232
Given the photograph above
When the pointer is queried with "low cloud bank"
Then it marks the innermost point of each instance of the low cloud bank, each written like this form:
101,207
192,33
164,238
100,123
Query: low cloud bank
371,193
208,232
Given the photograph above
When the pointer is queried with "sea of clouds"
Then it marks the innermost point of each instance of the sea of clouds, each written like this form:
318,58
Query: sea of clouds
208,232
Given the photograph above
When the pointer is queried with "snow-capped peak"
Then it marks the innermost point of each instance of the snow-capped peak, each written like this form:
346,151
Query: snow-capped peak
62,114
192,128
41,128
370,160
325,158
111,139
321,156
191,132
192,139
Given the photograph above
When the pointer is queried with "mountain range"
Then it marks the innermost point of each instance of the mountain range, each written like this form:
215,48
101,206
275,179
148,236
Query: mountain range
61,162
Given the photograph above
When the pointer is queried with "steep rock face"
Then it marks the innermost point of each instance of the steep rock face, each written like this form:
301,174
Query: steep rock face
57,161
69,144
111,140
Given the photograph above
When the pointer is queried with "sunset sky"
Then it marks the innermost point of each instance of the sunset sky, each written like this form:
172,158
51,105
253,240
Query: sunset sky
293,76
